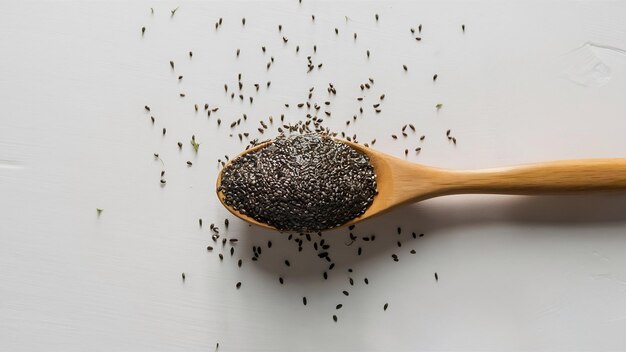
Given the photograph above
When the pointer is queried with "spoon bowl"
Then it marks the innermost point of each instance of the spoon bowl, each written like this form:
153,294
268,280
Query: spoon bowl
400,182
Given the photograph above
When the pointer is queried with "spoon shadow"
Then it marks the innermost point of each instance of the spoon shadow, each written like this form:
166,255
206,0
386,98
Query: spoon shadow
436,217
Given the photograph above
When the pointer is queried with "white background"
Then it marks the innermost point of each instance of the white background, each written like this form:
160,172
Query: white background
515,273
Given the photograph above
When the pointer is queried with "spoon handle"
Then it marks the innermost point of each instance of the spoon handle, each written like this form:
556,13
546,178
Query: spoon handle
541,178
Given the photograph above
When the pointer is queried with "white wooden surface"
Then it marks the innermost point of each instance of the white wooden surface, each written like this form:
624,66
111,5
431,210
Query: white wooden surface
515,273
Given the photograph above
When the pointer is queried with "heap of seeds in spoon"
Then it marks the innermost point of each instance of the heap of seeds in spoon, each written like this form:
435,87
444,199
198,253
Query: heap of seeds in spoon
307,182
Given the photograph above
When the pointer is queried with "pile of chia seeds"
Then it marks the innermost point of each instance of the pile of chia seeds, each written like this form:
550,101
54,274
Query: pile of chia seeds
307,182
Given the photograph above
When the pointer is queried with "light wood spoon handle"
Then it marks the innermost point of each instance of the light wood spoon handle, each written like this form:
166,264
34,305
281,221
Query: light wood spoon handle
541,178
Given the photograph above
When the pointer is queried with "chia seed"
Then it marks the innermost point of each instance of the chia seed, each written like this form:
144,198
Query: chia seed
306,182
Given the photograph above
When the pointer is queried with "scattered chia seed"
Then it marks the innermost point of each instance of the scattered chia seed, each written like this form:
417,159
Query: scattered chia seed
304,183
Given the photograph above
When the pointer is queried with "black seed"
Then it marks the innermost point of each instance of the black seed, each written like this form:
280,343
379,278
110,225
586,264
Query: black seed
325,276
367,282
238,286
304,300
339,306
209,248
335,318
147,108
413,251
280,279
436,277
221,256
183,275
172,64
405,68
269,244
463,28
385,306
351,281
254,200
239,263
287,263
435,77
346,293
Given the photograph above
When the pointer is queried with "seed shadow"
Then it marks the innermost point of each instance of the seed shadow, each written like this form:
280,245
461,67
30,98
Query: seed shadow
434,218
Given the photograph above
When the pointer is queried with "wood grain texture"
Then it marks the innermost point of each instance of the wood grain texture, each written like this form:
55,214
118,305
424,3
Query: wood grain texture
400,182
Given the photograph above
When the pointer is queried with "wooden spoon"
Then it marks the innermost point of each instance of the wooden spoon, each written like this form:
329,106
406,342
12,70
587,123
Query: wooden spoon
400,181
